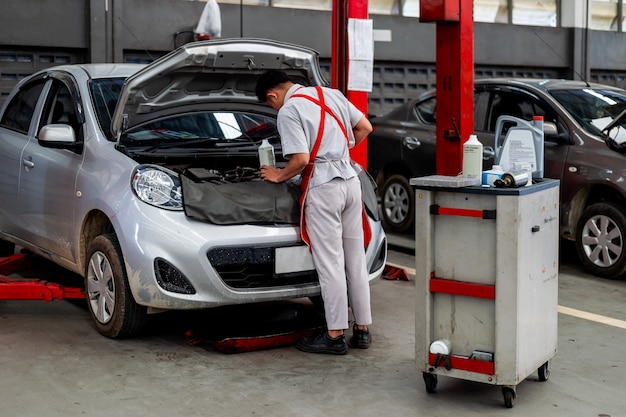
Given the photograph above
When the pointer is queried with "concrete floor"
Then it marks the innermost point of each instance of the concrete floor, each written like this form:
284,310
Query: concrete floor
53,363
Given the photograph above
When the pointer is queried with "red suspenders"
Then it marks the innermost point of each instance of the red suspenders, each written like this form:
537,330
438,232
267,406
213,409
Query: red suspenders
308,170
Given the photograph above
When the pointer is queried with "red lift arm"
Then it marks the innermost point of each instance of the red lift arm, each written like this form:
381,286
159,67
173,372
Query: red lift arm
30,289
455,78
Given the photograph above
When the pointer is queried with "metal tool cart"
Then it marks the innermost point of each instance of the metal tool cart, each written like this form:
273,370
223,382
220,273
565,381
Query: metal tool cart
486,282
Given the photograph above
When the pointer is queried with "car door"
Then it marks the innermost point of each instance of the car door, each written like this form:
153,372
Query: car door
402,141
48,176
15,133
419,136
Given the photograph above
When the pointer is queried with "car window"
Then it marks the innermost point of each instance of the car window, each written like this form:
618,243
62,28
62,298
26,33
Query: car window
592,108
214,125
60,107
426,111
104,95
517,104
19,112
481,110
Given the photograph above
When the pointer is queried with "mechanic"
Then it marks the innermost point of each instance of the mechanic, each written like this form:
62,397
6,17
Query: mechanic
312,125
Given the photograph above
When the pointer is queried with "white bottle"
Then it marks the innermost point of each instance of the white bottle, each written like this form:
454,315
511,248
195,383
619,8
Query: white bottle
266,154
473,158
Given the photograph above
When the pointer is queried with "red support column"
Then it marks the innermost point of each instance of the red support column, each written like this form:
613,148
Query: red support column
339,47
455,78
342,11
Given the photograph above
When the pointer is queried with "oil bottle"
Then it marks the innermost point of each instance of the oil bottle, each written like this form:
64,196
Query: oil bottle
473,158
266,154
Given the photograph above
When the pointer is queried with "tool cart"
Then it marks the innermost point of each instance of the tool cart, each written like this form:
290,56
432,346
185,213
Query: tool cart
486,282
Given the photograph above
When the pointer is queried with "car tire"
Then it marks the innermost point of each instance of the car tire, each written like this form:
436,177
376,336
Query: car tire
397,204
109,299
601,240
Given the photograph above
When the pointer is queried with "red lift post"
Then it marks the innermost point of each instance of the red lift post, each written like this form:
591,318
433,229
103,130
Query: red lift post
340,62
455,78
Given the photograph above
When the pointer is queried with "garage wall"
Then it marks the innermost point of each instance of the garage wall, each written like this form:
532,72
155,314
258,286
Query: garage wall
35,34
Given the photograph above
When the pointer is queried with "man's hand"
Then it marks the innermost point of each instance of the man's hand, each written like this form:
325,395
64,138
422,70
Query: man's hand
269,173
296,164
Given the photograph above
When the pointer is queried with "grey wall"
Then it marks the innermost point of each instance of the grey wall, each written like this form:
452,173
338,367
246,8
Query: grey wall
36,33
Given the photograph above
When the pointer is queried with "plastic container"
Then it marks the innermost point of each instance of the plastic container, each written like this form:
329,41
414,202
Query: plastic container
472,158
539,144
522,145
491,175
266,154
441,346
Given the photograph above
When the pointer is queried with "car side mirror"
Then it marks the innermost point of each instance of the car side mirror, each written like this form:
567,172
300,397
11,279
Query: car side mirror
59,136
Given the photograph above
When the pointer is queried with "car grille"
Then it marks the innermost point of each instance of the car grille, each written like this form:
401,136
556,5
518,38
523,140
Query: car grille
253,267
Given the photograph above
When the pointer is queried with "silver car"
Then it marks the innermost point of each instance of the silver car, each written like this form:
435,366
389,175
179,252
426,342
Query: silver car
144,180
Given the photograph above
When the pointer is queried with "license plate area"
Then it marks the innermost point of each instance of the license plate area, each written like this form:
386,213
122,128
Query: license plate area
292,259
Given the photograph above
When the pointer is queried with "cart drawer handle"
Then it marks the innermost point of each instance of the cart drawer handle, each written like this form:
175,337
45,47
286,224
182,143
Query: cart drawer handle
435,209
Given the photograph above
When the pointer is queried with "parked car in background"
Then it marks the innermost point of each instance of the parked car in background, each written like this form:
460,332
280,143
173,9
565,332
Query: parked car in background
144,180
584,130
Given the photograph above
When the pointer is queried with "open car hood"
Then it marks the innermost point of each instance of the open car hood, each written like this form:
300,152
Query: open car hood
208,71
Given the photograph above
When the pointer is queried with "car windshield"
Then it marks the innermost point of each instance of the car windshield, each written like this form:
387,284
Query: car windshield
202,130
104,94
594,109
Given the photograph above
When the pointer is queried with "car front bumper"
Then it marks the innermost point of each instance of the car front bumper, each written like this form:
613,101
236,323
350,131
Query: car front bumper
222,264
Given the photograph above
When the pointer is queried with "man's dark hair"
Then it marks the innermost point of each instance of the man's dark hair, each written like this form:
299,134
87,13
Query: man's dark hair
268,80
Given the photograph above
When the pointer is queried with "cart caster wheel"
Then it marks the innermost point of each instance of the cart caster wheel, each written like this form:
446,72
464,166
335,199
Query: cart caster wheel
431,382
544,371
509,396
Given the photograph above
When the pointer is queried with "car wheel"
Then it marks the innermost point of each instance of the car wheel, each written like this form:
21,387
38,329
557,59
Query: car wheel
111,304
600,240
397,204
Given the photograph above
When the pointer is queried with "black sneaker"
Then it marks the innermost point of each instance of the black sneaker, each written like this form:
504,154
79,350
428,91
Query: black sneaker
324,344
360,338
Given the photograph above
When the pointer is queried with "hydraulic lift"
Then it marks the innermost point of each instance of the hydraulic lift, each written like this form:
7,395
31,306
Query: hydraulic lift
30,289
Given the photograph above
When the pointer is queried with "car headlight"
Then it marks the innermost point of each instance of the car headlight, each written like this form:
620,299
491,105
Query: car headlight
158,186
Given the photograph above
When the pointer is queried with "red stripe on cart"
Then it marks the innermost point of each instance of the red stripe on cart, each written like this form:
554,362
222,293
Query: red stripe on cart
449,211
467,289
465,364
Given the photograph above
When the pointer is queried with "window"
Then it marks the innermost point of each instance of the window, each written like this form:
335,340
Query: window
426,111
104,95
410,8
491,11
519,12
593,109
20,110
389,7
535,13
304,4
604,15
60,108
238,128
517,104
247,2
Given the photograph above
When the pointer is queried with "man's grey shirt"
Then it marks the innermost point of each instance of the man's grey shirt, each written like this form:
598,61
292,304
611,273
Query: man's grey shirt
298,123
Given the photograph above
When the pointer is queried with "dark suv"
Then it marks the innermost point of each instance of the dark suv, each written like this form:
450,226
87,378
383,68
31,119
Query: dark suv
584,130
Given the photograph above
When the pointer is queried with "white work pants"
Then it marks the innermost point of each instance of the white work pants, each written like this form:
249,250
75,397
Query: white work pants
333,214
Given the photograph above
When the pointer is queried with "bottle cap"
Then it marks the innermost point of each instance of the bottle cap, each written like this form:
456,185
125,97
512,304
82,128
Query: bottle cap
441,346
